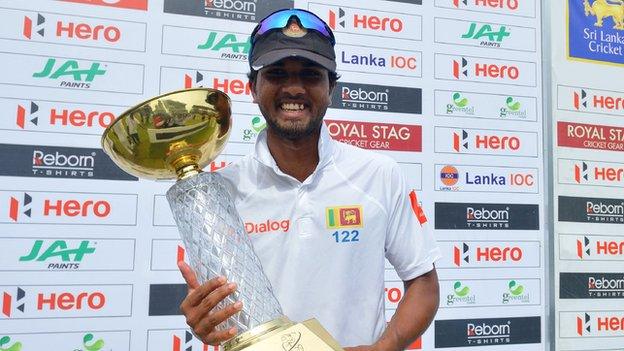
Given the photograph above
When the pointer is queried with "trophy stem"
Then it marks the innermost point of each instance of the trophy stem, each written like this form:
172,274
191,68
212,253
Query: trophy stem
186,166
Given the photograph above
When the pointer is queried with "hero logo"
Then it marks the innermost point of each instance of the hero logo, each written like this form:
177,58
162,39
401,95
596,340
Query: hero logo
71,30
70,68
14,207
70,165
601,212
61,208
68,301
484,218
359,21
360,98
269,226
501,4
7,302
227,85
461,254
462,68
581,100
584,325
64,117
461,142
486,334
603,247
604,174
187,342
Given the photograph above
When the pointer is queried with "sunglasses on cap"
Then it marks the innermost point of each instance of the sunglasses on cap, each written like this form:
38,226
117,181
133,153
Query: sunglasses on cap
280,19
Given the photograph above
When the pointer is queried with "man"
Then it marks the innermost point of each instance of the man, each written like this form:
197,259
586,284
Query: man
338,210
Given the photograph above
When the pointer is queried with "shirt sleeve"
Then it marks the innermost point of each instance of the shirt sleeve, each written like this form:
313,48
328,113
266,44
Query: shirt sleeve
410,247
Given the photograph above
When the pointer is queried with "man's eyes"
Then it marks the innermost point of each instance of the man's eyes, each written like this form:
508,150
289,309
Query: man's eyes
304,74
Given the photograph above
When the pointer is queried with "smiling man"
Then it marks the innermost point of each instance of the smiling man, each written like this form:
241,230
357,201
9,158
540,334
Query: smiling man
323,215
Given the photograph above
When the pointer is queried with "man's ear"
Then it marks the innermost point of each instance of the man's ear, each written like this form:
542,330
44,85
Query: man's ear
332,86
253,90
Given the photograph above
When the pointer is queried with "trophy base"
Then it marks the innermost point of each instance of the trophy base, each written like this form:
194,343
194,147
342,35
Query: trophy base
282,334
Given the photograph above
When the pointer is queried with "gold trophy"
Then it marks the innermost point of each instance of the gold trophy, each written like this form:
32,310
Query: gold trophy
174,136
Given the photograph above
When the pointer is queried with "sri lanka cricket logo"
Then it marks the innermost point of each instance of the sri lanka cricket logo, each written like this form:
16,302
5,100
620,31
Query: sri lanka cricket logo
596,31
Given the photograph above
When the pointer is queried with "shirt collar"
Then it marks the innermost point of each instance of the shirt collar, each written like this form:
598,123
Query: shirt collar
325,148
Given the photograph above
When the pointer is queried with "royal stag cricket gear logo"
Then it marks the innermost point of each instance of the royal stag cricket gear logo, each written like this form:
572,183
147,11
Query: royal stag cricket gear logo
21,117
30,26
9,300
5,344
344,217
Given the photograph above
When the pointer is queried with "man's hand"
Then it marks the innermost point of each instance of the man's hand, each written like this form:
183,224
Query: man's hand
361,348
198,306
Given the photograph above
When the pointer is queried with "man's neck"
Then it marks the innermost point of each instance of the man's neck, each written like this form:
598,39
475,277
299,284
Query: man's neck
297,158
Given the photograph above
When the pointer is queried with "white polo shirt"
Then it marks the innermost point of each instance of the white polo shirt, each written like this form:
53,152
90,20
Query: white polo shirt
322,242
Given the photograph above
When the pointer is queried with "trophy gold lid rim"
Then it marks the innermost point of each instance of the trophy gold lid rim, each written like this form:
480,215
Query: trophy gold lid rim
119,118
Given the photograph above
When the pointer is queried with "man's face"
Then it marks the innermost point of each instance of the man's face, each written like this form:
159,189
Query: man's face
293,95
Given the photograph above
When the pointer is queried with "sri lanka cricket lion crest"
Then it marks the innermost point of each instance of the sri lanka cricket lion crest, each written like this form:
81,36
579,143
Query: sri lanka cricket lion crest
603,9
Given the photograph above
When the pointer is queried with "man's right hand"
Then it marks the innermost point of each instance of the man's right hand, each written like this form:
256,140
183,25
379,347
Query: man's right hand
199,306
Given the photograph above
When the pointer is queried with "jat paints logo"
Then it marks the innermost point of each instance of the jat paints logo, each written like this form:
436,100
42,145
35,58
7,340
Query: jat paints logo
596,31
6,345
78,76
487,35
228,45
344,217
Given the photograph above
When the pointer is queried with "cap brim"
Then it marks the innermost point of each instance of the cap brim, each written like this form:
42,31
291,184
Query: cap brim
273,56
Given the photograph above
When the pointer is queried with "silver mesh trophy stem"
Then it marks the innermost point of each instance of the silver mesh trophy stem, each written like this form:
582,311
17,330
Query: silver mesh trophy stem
217,244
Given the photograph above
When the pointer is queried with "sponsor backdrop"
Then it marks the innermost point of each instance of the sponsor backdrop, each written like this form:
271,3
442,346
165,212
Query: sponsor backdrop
588,173
451,89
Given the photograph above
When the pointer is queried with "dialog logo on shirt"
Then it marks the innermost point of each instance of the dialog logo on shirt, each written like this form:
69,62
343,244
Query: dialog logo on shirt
344,217
267,226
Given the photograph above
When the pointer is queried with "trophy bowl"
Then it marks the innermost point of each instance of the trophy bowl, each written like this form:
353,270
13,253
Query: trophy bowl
173,136
170,135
